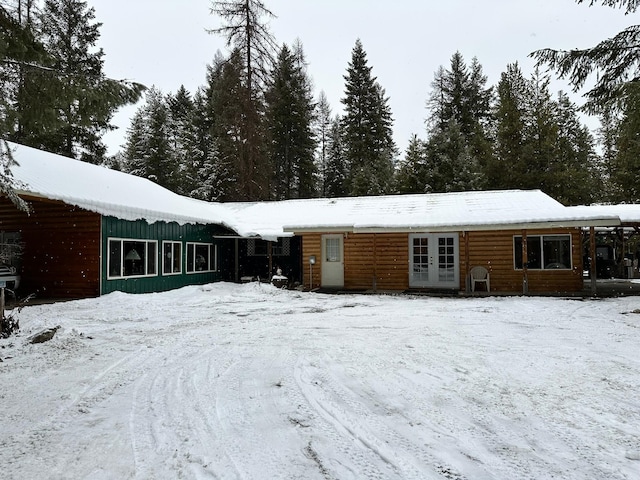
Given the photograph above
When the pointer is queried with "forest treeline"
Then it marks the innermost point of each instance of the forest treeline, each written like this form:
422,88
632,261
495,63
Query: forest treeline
255,130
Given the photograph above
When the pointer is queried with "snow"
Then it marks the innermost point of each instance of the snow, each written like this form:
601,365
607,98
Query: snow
128,197
254,382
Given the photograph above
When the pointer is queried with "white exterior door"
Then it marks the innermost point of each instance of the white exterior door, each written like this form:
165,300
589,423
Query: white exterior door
332,261
434,260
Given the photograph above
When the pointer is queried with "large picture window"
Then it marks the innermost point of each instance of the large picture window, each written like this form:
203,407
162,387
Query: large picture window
544,252
171,258
132,258
201,257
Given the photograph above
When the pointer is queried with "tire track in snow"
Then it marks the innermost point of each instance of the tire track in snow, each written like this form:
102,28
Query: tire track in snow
173,405
382,451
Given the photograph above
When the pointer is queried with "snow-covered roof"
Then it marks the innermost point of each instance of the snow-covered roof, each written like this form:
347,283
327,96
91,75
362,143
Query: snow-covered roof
485,210
107,192
628,213
129,197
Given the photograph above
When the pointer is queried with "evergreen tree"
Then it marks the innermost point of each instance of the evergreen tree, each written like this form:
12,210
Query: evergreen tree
335,175
607,137
459,111
615,60
206,176
507,166
410,176
148,150
253,44
625,168
541,131
450,165
18,47
322,131
289,116
58,99
367,122
224,113
181,138
575,178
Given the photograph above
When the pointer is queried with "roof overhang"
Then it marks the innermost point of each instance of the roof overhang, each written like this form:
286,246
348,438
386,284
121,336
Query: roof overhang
566,223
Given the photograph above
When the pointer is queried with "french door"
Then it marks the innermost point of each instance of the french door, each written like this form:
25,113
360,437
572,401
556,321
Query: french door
434,260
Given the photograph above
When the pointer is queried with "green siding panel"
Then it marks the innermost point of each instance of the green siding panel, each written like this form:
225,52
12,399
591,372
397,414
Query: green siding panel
159,231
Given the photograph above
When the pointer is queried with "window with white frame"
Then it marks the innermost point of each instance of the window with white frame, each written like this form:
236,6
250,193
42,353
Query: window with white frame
171,258
201,257
544,252
132,258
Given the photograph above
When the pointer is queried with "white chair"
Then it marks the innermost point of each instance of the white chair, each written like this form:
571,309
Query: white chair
480,275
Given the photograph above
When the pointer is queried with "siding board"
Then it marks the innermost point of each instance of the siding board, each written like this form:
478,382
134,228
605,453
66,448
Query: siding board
381,261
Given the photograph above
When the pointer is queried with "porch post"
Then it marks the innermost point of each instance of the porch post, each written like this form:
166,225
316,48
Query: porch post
467,280
592,253
237,260
525,261
270,255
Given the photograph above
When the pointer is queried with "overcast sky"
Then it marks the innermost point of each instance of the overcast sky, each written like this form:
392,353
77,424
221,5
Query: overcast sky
165,43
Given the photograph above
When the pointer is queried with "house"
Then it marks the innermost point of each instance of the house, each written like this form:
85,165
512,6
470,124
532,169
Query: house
526,241
94,230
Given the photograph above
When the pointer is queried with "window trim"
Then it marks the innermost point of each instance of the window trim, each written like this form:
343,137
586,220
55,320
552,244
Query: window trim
122,276
213,257
173,255
542,259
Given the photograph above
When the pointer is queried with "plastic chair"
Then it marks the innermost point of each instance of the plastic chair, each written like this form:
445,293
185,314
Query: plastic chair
480,275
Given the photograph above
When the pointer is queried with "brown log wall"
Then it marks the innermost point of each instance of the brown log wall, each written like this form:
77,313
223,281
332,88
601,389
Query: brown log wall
61,256
381,261
494,251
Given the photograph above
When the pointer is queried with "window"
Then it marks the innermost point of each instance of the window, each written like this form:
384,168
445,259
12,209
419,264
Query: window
544,252
332,249
258,248
132,258
171,258
201,257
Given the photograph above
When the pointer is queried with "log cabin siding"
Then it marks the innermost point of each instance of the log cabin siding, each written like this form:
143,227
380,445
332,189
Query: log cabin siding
381,261
494,251
61,256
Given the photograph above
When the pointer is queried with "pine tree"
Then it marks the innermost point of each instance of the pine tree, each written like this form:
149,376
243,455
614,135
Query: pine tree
459,111
58,99
575,178
252,42
335,175
148,150
614,60
410,176
224,113
607,137
289,116
322,131
625,168
506,168
182,138
366,124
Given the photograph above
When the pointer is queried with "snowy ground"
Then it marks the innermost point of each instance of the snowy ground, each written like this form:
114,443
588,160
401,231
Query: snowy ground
251,382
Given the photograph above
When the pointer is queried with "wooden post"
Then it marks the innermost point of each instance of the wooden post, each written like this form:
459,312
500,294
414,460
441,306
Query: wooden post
237,261
467,267
270,255
1,308
375,263
525,261
592,253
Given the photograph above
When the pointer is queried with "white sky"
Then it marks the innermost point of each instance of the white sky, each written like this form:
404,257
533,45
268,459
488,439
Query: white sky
165,43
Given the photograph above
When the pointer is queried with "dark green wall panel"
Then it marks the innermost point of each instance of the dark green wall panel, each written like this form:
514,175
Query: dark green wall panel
159,231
